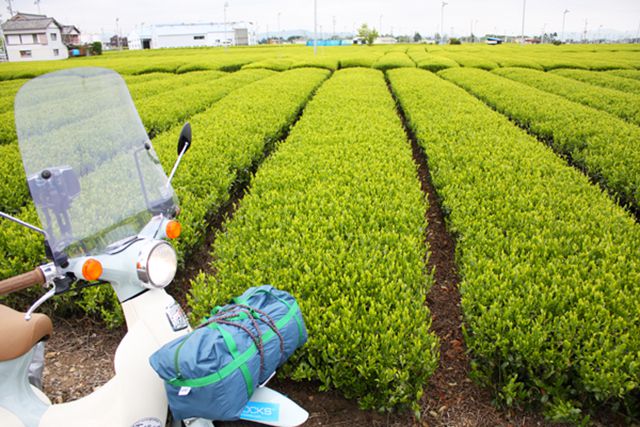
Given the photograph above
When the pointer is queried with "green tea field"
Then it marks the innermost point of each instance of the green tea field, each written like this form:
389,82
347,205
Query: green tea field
458,223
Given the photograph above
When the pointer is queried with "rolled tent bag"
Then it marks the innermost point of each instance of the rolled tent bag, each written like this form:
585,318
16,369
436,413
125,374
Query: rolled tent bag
213,371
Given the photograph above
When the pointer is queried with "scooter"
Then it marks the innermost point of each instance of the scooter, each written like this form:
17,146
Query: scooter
107,208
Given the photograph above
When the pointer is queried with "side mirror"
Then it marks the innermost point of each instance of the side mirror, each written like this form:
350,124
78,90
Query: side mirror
184,142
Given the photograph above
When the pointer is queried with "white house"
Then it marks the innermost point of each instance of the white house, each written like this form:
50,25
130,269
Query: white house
30,37
191,35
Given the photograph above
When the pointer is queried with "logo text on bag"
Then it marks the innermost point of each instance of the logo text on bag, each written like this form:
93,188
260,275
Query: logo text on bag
260,411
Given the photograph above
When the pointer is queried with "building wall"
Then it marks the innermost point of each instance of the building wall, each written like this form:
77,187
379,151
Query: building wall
43,48
191,40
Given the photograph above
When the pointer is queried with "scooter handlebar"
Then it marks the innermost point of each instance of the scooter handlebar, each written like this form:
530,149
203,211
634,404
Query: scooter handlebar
22,281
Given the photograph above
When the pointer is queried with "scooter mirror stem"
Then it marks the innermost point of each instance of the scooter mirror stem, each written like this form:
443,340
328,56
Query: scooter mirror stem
184,143
175,167
24,224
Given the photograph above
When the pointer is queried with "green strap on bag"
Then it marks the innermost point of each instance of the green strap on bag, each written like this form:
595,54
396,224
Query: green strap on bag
233,349
238,361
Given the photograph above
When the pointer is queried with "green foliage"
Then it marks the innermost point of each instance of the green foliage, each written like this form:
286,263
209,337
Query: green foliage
628,74
164,82
603,145
368,34
160,112
360,59
96,48
393,60
229,139
13,187
605,80
336,217
470,60
275,64
517,62
8,91
429,61
435,63
549,264
328,63
454,40
624,105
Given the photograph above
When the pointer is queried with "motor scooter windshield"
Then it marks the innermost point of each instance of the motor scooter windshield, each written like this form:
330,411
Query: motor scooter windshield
92,172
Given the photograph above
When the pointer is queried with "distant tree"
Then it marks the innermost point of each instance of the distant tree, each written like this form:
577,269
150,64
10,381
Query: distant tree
368,34
437,37
96,48
454,40
417,37
403,39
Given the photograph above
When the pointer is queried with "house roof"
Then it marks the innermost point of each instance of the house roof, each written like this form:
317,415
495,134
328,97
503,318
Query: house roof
69,29
28,22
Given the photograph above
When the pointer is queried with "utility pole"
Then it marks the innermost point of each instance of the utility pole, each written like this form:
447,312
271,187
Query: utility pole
471,36
334,26
224,40
524,9
117,37
380,26
10,8
599,33
564,18
37,3
315,27
444,3
279,29
584,34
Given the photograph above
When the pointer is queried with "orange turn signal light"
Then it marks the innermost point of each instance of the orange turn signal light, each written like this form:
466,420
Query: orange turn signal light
173,229
91,269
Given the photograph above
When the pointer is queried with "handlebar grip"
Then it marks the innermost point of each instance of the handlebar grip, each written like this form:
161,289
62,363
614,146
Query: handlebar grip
22,281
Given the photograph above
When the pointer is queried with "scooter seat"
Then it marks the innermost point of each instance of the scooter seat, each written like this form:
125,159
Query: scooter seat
17,335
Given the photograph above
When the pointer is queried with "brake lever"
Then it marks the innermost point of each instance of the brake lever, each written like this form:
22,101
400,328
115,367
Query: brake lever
51,292
51,276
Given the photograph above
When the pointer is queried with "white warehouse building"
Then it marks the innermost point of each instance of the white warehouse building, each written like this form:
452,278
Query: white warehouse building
191,35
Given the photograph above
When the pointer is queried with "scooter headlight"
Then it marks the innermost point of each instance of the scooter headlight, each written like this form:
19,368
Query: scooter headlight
157,264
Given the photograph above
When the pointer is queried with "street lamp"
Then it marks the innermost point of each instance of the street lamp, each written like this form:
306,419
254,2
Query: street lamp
444,3
564,18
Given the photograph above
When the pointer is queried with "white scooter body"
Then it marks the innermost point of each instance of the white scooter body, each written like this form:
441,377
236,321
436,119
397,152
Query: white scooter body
135,396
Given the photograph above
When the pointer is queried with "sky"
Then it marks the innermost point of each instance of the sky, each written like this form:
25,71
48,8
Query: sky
398,16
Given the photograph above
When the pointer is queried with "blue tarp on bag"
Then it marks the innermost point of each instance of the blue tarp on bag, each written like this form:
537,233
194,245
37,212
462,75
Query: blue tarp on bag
213,371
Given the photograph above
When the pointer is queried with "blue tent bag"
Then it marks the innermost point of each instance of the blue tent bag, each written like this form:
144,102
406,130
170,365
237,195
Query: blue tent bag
213,371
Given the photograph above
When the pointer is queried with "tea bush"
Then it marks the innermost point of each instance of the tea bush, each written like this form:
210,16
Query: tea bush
336,216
